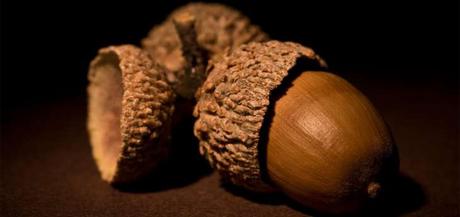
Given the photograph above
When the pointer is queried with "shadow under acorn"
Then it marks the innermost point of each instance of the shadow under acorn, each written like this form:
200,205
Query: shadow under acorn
403,196
184,165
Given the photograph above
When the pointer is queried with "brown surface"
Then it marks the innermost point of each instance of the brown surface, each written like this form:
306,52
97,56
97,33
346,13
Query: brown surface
47,168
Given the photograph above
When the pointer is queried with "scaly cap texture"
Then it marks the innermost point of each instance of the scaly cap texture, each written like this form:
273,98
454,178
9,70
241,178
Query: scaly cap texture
232,103
129,109
210,28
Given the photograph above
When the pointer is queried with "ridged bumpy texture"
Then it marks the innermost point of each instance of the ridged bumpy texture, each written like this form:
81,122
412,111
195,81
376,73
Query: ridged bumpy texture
217,27
141,128
233,102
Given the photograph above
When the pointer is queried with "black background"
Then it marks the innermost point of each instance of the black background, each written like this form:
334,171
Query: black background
46,46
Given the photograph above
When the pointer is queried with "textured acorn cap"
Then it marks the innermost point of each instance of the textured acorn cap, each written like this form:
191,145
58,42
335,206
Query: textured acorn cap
129,109
216,27
233,102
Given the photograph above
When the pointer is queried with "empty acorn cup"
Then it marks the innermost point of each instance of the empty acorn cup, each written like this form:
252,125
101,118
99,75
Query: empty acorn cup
129,113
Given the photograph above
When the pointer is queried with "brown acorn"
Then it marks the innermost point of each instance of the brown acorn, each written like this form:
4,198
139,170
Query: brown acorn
130,105
191,35
267,123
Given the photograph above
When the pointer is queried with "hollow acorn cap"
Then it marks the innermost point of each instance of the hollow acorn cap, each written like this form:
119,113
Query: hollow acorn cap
216,26
233,102
129,109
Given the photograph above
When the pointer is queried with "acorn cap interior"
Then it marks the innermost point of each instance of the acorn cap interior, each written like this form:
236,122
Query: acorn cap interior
106,106
130,105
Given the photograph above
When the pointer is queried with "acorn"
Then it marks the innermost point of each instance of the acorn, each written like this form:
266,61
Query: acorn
130,105
269,119
191,35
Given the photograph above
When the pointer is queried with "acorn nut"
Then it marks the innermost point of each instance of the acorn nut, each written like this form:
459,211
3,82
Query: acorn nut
267,120
130,105
191,35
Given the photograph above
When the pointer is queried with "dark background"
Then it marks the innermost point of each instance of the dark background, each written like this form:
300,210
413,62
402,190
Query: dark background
46,46
404,55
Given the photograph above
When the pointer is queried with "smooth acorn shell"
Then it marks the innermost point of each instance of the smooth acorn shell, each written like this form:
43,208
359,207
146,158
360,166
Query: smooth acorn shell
327,145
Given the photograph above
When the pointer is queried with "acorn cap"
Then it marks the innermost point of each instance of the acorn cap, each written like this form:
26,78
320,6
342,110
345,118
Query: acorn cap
129,109
208,28
232,103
